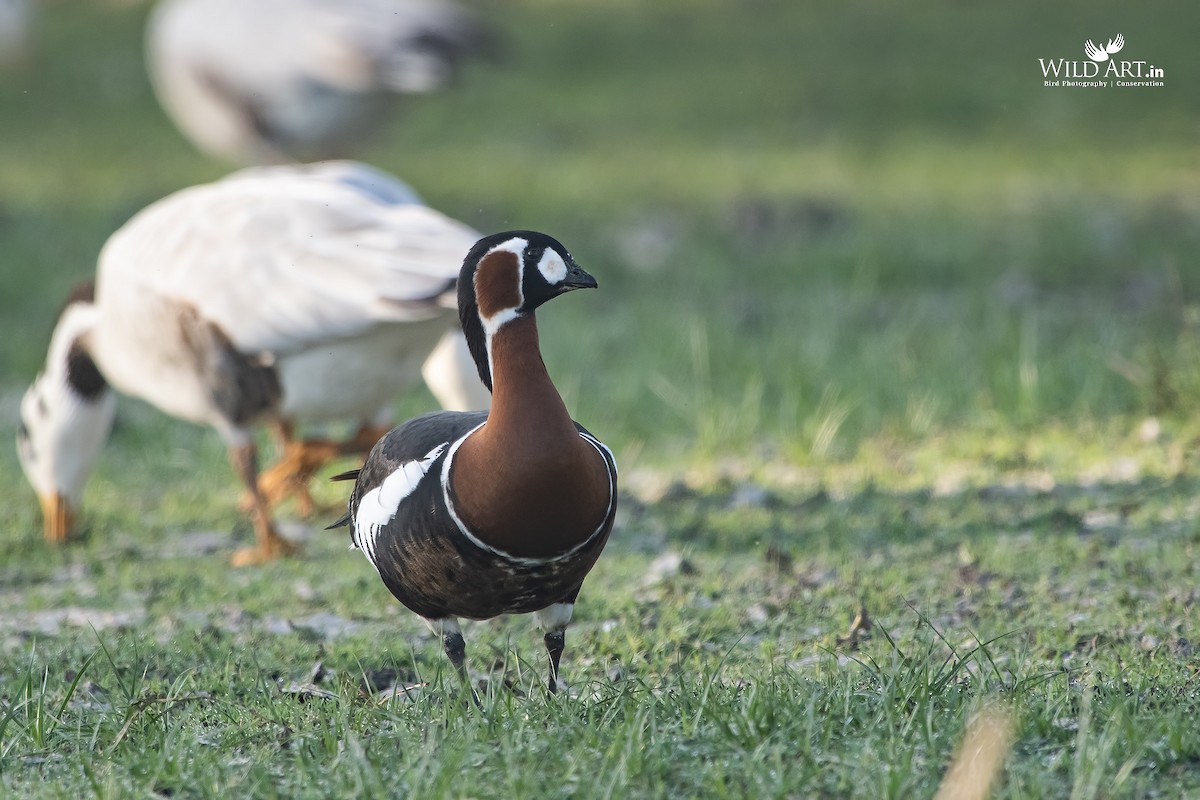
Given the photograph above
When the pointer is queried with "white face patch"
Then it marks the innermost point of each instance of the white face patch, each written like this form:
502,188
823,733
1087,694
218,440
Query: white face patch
379,506
552,267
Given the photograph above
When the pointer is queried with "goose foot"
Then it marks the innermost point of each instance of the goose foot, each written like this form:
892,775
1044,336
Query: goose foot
263,552
269,545
291,474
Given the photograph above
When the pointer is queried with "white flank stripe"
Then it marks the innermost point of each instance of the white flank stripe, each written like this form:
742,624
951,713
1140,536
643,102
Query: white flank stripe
379,506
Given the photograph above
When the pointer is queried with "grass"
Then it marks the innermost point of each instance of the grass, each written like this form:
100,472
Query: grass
884,324
734,675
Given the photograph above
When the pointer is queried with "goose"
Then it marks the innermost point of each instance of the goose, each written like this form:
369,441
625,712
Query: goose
274,81
477,514
17,18
278,295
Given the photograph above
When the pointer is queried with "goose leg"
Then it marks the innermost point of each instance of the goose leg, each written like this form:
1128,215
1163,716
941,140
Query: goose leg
554,620
555,642
455,647
456,650
290,475
363,439
270,544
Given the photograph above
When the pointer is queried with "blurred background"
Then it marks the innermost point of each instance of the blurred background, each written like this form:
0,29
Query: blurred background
890,336
817,228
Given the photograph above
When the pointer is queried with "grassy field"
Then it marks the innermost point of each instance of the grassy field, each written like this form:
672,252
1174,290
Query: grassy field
884,326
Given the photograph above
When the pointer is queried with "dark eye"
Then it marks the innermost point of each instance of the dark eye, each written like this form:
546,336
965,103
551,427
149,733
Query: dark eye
534,254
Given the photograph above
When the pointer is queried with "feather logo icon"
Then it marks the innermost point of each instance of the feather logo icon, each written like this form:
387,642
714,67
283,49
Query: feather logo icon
1096,53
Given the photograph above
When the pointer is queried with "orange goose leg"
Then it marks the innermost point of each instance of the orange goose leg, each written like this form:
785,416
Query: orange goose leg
270,545
290,475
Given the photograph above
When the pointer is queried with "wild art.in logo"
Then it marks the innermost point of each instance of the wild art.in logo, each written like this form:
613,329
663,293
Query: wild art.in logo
1064,72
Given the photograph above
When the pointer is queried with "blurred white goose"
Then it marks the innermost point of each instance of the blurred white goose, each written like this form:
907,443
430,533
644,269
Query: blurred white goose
270,81
279,294
16,22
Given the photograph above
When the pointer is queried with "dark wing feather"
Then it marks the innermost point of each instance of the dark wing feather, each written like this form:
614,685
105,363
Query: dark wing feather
344,519
412,441
409,442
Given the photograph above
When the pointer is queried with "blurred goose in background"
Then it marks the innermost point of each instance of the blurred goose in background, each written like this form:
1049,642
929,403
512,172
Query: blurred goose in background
16,23
279,294
272,81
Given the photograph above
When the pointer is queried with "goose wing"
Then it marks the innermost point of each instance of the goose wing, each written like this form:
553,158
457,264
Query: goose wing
283,258
394,469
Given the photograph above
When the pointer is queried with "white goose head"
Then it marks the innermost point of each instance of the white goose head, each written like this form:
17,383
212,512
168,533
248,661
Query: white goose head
506,276
66,416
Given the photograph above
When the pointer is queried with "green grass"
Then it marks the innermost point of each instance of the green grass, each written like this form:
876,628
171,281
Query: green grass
883,323
1068,604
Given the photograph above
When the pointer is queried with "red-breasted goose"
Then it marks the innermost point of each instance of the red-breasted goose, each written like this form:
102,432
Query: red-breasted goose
479,514
269,81
279,294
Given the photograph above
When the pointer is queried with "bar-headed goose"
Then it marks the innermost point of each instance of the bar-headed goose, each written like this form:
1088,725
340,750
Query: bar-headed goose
268,81
284,294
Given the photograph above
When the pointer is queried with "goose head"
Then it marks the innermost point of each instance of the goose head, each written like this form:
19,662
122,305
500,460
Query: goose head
66,416
506,276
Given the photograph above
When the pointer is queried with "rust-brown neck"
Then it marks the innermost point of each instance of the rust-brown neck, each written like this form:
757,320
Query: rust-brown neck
526,483
524,399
